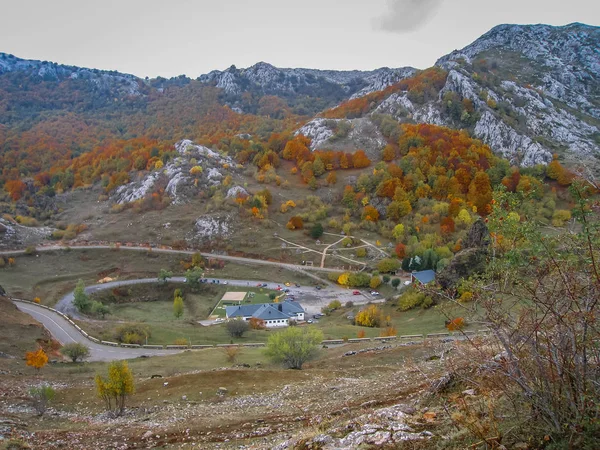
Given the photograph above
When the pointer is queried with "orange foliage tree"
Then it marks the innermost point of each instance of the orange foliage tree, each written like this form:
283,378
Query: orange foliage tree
37,359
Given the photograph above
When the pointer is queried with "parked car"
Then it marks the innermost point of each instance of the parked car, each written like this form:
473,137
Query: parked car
297,285
287,283
259,285
318,288
374,293
309,321
355,292
264,285
286,290
225,282
278,288
407,282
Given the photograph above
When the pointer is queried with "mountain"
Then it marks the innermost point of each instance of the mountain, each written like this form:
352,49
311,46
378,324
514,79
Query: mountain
294,84
527,91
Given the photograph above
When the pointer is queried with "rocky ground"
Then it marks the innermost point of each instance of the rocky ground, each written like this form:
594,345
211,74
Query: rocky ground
343,400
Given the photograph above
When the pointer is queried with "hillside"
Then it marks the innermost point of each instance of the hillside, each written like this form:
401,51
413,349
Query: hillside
527,91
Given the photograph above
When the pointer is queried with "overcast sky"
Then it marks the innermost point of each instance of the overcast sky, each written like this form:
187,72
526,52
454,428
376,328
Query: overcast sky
191,37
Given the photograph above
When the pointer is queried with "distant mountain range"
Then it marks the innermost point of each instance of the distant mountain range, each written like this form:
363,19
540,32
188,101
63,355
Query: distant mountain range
528,91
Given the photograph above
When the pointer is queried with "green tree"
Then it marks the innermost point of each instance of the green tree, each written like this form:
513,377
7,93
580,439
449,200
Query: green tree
100,309
115,389
80,298
318,167
75,351
396,283
178,307
40,397
197,260
294,346
193,277
164,275
398,232
388,265
316,230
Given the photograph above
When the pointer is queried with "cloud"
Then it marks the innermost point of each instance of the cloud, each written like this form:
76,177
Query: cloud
406,15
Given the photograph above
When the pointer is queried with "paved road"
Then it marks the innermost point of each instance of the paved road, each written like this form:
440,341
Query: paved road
66,333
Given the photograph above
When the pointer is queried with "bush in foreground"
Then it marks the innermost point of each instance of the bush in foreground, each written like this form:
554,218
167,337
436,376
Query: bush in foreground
294,346
40,397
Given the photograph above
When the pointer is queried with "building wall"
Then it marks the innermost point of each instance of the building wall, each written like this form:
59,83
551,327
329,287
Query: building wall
276,323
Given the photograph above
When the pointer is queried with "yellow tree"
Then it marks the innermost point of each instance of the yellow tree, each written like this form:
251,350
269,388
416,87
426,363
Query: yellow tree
37,359
116,388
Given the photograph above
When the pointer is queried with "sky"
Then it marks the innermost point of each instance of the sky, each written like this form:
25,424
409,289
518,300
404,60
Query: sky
170,38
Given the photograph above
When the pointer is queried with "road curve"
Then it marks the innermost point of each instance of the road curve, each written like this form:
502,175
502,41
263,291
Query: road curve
311,299
66,333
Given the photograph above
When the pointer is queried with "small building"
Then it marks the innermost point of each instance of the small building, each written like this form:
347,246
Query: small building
273,314
422,277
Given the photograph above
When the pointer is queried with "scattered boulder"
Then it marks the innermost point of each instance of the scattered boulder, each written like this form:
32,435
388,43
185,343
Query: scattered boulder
222,391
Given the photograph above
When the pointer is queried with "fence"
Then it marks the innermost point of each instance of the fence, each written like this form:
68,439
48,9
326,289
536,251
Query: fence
411,337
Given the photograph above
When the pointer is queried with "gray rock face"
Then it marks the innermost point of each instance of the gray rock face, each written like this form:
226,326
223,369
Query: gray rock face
569,53
269,79
362,134
175,177
543,97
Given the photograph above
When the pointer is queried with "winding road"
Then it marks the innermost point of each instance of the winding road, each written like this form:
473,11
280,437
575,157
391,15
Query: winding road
63,331
66,333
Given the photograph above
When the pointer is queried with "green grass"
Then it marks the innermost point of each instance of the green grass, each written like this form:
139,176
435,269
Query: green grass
416,321
51,275
261,295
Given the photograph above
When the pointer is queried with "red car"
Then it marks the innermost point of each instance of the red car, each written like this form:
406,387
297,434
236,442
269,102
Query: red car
355,292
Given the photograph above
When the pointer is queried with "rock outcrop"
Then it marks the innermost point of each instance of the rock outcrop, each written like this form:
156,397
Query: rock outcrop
470,260
176,178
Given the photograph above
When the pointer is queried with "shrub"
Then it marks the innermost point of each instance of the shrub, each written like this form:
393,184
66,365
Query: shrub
388,332
237,327
349,304
132,333
371,317
413,299
231,353
256,324
294,346
375,282
40,397
75,351
181,341
386,278
360,334
388,265
100,309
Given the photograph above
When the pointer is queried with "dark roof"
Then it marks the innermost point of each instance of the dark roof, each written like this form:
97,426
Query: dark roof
270,312
287,309
424,276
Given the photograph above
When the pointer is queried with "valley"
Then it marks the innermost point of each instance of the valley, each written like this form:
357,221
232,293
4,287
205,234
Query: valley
301,259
